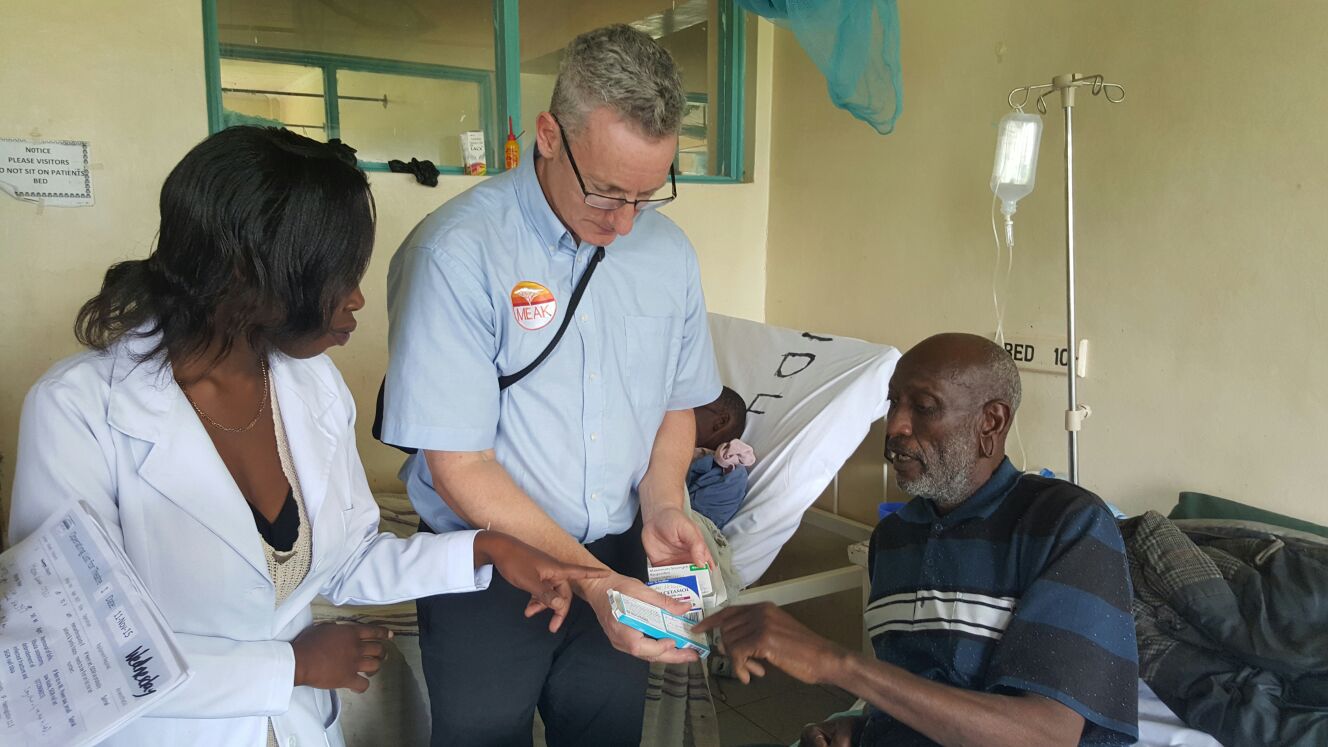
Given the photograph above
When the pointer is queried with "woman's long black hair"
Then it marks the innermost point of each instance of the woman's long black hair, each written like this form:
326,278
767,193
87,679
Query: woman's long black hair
263,233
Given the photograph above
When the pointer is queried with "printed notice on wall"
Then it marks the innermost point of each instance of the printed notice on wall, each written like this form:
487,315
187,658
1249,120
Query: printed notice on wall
83,648
52,172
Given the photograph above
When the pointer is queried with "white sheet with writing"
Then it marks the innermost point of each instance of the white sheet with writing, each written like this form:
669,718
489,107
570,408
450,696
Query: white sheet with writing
83,648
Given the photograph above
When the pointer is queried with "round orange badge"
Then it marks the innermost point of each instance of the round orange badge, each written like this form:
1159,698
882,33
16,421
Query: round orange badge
533,305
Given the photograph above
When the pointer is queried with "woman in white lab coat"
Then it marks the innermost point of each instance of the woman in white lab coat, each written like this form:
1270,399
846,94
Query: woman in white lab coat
216,441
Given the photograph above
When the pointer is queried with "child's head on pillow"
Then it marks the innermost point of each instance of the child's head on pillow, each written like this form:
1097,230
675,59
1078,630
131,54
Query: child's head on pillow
720,421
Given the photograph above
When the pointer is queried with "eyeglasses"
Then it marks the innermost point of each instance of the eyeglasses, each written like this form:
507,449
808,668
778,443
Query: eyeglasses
604,202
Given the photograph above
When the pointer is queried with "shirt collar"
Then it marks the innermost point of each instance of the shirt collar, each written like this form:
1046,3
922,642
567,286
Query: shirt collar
536,209
980,505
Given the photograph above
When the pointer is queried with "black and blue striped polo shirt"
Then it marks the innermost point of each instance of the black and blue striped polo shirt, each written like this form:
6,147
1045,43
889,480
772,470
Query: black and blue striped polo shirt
1022,588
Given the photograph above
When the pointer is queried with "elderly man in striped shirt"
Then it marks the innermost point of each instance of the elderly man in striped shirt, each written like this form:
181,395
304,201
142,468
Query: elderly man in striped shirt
1000,604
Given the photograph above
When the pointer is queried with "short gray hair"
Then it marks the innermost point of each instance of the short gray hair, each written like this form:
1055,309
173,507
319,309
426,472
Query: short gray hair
625,70
1003,376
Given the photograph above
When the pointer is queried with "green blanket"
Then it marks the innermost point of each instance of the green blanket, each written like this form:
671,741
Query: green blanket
1202,506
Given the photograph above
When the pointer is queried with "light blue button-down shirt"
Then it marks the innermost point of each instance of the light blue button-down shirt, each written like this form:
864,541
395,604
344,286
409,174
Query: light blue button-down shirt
469,298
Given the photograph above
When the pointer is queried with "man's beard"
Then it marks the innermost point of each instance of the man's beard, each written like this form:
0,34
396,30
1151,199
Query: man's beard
948,474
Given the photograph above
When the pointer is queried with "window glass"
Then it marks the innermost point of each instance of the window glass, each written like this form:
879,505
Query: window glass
409,76
386,116
458,33
689,30
402,79
272,94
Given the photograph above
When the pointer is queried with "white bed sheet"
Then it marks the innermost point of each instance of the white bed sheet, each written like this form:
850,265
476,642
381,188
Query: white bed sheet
1159,726
811,400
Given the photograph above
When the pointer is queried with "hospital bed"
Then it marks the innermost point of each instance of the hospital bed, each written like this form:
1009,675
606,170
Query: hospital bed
811,398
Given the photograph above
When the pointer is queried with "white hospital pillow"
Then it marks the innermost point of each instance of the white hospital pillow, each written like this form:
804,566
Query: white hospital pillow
811,399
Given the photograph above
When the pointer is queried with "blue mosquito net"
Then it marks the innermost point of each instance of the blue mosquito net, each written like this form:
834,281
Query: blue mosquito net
855,43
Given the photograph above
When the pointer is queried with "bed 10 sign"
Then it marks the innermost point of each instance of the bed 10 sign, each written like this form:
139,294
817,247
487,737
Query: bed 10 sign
1046,354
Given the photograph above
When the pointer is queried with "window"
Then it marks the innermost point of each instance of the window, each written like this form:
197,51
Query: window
402,79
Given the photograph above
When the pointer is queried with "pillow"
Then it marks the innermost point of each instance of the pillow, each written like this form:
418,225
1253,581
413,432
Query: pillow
810,401
1204,506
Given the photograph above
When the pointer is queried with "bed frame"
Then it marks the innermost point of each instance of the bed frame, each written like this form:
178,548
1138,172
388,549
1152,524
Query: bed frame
852,575
824,583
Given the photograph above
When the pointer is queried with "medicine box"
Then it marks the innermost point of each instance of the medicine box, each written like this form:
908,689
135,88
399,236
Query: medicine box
656,623
687,583
683,589
683,570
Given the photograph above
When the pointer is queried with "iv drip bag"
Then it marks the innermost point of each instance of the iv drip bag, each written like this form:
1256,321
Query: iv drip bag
1012,176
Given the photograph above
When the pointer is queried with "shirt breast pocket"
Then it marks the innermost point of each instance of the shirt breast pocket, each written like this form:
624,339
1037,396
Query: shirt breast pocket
652,355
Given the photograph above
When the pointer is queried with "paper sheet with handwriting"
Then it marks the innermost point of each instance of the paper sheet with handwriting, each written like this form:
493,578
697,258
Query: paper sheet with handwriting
83,648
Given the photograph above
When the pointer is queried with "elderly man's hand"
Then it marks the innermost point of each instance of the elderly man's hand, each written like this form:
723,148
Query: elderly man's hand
754,635
844,731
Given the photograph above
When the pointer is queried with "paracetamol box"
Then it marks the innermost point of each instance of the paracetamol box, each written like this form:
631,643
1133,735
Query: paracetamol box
683,589
656,623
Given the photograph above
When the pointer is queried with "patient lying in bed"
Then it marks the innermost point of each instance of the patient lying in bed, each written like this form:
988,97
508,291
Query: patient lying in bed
717,479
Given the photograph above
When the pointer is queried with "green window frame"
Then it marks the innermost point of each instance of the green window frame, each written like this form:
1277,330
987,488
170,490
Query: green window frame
505,79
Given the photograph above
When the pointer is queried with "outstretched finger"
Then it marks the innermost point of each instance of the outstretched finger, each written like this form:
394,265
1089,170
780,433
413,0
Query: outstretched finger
677,656
374,631
718,619
647,594
535,606
697,549
741,649
373,648
651,649
358,683
556,595
568,572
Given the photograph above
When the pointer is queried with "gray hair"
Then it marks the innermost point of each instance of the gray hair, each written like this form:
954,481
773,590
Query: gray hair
625,70
1004,376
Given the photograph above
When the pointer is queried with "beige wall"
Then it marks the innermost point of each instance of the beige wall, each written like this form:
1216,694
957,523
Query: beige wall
1200,230
1200,246
64,73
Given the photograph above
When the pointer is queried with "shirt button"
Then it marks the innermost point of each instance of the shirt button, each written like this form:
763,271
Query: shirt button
594,496
593,377
594,437
585,317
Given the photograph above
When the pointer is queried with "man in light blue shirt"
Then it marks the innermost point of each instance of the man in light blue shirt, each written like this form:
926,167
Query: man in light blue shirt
598,433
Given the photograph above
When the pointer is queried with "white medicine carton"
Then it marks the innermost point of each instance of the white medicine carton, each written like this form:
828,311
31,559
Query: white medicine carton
686,583
657,623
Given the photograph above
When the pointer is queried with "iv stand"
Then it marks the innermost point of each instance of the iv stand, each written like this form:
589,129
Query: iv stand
1113,93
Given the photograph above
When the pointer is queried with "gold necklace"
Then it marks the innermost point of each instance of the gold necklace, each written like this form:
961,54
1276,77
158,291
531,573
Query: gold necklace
262,405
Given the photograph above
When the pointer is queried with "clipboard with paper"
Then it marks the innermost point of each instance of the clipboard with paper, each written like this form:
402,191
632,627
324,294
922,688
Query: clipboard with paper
83,647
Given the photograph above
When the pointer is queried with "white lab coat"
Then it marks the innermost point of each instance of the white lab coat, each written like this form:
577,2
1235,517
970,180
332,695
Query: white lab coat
122,436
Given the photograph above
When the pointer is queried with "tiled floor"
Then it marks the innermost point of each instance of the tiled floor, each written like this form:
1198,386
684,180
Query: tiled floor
773,709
